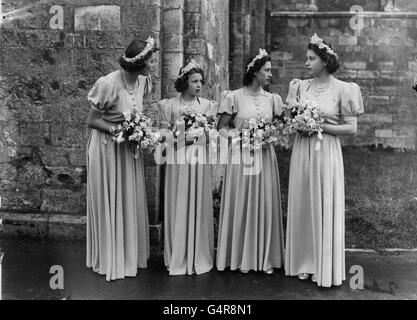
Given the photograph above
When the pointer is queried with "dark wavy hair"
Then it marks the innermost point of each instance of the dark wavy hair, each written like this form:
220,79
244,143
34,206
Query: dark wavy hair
331,61
132,50
181,84
249,75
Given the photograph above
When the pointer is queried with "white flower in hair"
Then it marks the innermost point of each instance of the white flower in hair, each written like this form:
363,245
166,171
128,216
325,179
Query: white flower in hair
150,45
262,53
190,66
315,39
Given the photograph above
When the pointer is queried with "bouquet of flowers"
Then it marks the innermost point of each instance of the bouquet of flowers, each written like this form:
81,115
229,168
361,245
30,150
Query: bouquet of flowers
259,133
136,130
305,118
195,126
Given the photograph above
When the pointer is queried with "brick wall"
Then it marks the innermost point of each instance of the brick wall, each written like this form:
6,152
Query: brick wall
381,57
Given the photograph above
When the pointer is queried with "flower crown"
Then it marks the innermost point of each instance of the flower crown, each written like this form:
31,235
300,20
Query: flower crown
150,45
190,66
315,39
262,53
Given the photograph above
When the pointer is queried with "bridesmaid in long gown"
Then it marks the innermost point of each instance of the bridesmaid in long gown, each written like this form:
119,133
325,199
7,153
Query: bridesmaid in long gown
117,214
250,226
315,240
188,213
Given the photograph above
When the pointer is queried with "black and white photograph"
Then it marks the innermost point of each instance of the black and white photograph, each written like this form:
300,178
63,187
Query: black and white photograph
221,152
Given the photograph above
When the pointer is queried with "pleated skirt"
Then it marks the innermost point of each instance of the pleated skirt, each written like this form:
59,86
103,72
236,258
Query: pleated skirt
117,214
250,227
315,237
188,217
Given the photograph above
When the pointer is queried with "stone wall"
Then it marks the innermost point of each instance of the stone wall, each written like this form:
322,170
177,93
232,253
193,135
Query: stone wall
197,29
379,53
380,57
51,54
247,32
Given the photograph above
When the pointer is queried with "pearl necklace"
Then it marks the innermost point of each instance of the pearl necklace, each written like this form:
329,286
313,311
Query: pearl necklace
318,89
131,91
187,104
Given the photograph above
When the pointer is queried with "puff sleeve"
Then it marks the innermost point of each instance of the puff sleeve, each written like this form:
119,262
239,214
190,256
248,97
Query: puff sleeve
227,103
164,111
102,95
351,102
212,108
293,91
278,104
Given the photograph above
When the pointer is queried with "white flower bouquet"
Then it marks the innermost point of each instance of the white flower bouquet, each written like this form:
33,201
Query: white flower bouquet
195,125
136,130
305,118
260,133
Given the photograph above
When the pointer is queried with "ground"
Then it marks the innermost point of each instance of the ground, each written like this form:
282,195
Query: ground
26,265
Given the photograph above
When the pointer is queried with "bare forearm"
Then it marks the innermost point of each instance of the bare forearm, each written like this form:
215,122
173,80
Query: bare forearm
101,125
340,129
224,121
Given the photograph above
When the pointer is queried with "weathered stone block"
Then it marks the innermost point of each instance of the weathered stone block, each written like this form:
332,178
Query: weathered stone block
412,65
8,174
298,22
176,4
195,6
373,118
34,134
171,64
196,46
387,133
21,198
348,40
31,175
68,134
173,21
173,41
386,66
282,55
356,65
97,18
63,201
54,156
368,74
78,157
347,74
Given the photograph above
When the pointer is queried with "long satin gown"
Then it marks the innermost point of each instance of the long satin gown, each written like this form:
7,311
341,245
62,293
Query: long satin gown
315,237
117,214
188,200
250,228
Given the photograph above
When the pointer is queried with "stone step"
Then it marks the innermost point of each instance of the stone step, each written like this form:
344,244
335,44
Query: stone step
58,226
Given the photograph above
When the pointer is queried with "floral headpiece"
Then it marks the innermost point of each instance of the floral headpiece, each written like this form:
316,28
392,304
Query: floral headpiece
150,45
190,66
262,53
315,39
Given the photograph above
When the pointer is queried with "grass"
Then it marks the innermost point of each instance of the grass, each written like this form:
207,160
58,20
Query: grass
381,197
